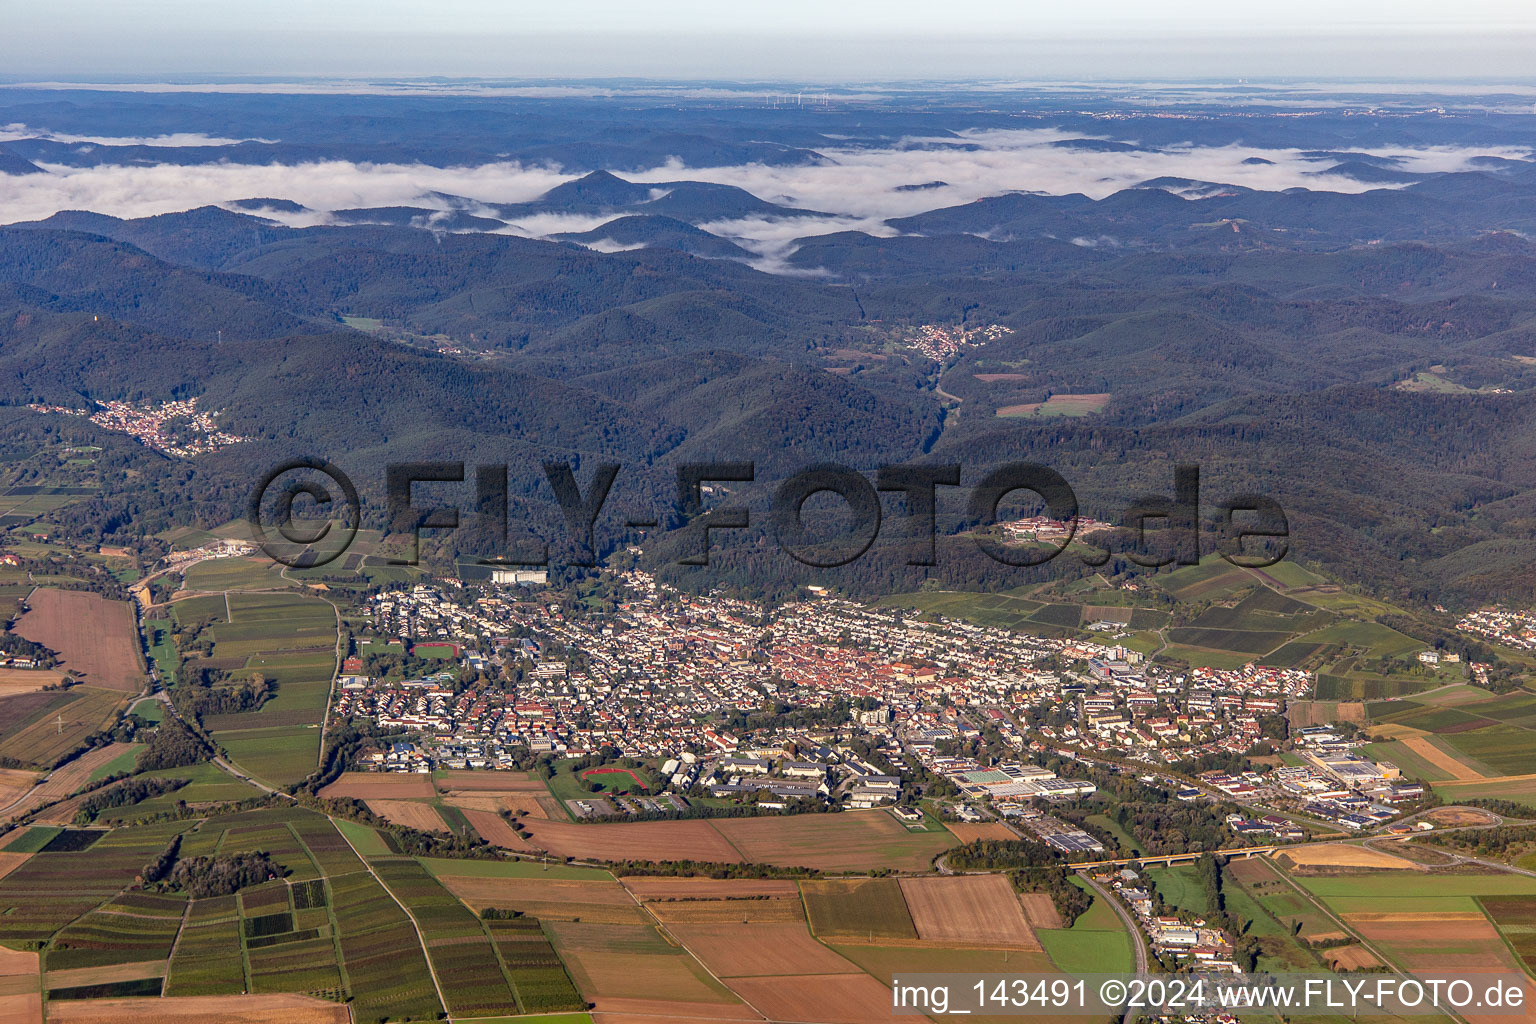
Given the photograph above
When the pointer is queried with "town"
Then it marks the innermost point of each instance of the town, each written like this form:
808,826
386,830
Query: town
868,706
176,428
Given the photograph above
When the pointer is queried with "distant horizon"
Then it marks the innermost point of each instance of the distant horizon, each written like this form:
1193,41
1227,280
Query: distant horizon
860,40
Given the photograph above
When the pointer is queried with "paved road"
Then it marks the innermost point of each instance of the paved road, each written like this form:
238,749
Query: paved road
1138,940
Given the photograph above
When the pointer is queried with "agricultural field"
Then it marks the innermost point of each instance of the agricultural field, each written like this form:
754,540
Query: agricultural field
968,910
1515,918
651,840
1424,919
410,813
22,503
377,786
969,832
131,929
288,639
463,958
97,639
537,977
553,894
26,680
617,965
1521,790
1462,741
1014,610
1409,885
219,574
1058,405
237,1009
41,728
207,959
847,841
858,910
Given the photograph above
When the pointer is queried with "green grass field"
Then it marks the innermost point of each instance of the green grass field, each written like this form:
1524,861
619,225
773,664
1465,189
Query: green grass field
121,764
1414,885
161,648
1180,886
1096,941
32,839
1506,749
365,840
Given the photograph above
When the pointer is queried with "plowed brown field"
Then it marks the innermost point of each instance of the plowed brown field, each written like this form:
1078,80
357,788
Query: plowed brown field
968,910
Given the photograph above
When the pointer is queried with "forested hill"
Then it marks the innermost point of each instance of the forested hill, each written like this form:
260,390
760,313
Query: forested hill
1383,393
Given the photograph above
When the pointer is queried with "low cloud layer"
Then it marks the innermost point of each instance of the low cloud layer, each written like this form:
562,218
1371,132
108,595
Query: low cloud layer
860,188
16,132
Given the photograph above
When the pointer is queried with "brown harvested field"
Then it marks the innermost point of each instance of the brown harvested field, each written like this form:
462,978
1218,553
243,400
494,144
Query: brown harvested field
641,840
969,832
1426,748
380,786
1351,958
1455,816
534,805
1303,713
22,1008
1039,911
1334,855
493,828
58,729
780,910
828,998
97,638
1441,944
25,680
61,813
1351,711
106,975
15,962
756,950
993,378
271,1008
632,962
490,782
67,779
847,841
968,910
14,784
659,887
410,814
1248,870
556,898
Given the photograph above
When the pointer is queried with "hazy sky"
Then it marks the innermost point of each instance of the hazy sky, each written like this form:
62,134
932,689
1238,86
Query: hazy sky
812,39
